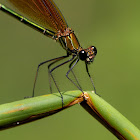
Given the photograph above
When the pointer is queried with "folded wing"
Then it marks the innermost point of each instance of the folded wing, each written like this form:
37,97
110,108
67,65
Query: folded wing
42,12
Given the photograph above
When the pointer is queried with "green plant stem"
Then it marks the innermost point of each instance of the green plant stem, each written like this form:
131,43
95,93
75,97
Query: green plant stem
27,110
30,109
113,120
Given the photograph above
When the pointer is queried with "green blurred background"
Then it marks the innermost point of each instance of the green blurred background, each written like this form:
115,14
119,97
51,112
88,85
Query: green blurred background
114,28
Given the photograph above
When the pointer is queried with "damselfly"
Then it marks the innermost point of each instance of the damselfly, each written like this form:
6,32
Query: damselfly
44,16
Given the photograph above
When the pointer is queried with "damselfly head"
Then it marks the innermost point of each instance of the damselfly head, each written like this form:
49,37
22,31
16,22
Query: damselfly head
88,54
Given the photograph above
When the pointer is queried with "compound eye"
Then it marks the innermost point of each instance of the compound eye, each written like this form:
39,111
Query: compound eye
94,50
83,55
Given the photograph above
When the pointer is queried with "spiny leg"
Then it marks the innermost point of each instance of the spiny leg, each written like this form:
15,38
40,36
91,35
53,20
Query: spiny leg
90,78
74,74
50,71
55,59
71,79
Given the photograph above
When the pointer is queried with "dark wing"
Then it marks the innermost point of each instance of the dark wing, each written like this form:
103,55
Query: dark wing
42,12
